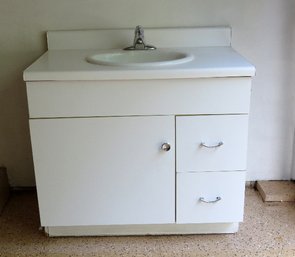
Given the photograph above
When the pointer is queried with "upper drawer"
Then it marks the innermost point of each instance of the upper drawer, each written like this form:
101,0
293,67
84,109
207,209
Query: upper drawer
211,143
138,97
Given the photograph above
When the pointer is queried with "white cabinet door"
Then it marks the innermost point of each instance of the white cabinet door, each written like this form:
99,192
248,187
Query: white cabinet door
94,171
211,143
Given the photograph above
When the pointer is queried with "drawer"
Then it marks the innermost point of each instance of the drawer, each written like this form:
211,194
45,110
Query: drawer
211,143
210,197
138,97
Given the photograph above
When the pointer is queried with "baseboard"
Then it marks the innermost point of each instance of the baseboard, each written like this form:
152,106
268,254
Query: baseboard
158,229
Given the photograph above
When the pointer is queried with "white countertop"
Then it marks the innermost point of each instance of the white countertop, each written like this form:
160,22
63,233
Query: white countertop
71,65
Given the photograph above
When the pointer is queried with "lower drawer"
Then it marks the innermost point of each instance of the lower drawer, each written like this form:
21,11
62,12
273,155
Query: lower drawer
210,197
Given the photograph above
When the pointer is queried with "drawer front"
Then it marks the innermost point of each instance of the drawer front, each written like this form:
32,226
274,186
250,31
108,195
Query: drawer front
138,97
210,197
211,143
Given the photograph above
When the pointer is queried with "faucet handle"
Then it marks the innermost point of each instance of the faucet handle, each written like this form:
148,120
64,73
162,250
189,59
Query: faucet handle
139,42
139,29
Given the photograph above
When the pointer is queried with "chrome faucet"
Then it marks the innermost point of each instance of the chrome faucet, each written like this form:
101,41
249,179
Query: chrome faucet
138,42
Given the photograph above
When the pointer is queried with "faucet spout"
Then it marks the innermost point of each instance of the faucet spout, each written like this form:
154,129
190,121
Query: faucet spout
139,42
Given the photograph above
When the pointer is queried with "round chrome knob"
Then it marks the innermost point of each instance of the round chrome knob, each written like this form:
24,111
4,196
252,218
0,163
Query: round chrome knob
166,147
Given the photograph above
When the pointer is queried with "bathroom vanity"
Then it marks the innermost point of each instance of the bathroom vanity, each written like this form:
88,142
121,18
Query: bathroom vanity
140,149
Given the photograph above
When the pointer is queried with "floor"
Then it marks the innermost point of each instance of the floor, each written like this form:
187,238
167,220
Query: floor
268,230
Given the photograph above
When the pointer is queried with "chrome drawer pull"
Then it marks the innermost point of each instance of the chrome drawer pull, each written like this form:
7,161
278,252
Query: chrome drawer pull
211,146
218,198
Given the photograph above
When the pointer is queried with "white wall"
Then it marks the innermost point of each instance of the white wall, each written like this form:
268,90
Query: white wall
262,32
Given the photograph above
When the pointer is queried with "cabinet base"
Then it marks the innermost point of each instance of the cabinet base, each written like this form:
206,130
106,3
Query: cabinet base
159,229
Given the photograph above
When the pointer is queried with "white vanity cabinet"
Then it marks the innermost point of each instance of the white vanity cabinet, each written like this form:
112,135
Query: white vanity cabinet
151,148
100,163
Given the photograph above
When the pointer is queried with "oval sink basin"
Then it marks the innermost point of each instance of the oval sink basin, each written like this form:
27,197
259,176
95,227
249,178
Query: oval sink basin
140,58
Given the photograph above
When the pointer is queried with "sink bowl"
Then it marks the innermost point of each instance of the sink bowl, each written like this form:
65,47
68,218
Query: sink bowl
140,58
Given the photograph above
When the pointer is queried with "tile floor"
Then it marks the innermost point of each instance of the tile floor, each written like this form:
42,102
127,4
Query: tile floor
268,230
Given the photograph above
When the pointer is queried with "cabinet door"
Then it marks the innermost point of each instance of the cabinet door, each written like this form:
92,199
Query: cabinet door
98,171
